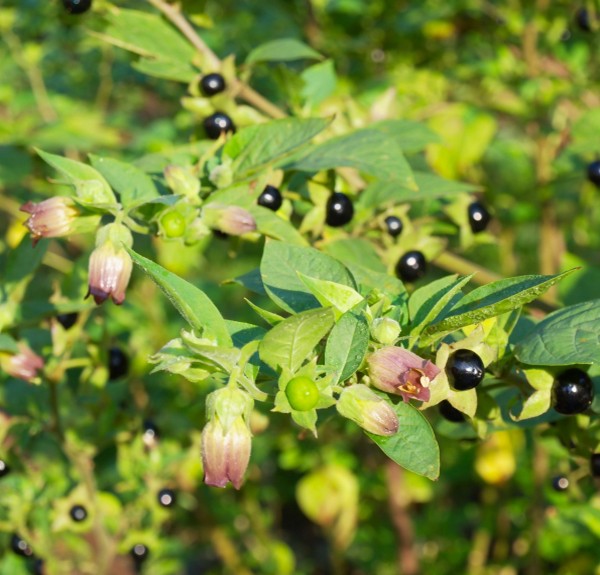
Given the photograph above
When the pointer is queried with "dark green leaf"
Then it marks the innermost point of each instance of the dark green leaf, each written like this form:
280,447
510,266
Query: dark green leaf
411,136
282,50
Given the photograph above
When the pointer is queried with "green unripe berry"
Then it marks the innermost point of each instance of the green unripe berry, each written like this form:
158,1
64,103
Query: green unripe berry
173,224
302,393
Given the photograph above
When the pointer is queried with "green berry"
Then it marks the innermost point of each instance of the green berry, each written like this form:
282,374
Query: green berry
173,224
302,393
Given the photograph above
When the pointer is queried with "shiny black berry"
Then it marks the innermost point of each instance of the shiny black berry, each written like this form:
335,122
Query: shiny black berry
118,364
394,226
479,217
582,18
449,412
270,198
595,464
593,173
212,84
150,433
78,513
572,392
139,553
560,483
340,210
77,6
411,266
166,497
67,320
20,546
4,468
217,124
464,369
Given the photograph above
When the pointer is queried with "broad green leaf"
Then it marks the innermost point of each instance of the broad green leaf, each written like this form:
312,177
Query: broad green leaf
243,333
290,342
7,343
369,280
282,50
411,136
347,345
319,82
19,267
251,280
90,185
191,302
355,251
343,298
414,447
270,317
495,299
279,269
133,185
273,226
167,69
566,337
254,147
369,151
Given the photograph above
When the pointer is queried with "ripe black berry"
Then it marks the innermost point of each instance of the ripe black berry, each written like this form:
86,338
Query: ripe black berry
582,18
67,320
139,553
593,173
4,468
78,513
150,434
572,392
270,198
411,266
394,226
449,412
464,369
339,210
166,497
38,567
77,6
560,483
595,464
212,84
216,124
118,364
20,546
479,217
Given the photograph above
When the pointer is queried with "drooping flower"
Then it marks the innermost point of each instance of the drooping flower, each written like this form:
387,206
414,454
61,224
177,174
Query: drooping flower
51,218
24,364
396,370
367,409
232,220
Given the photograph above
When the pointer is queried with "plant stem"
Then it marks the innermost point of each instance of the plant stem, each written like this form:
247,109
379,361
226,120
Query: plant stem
56,423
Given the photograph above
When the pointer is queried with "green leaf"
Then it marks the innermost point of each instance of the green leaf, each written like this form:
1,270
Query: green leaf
166,69
290,342
369,280
282,50
19,267
347,345
414,447
411,136
133,185
319,82
254,147
355,251
566,337
495,299
279,269
90,185
191,302
270,317
343,298
273,226
537,403
7,343
369,151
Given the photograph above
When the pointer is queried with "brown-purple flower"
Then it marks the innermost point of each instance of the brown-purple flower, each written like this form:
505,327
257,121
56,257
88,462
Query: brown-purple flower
51,218
396,370
24,364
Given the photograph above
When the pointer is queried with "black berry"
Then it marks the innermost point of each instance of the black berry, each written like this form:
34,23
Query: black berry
139,553
593,173
4,468
572,392
479,217
560,483
582,18
464,369
212,84
20,546
217,124
166,497
411,266
118,364
270,198
449,412
38,567
394,226
77,6
339,210
150,434
67,320
78,513
595,464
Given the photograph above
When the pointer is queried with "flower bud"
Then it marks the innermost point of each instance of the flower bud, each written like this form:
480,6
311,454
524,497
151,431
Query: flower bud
51,218
23,365
229,404
225,454
110,265
183,182
385,330
231,220
367,409
399,371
